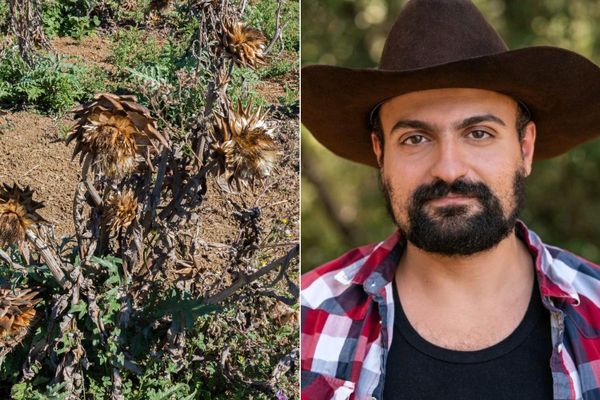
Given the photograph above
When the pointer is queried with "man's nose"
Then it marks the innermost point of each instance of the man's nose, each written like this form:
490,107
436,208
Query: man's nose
450,163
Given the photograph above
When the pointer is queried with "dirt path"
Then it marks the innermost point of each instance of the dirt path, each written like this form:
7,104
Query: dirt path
93,50
32,153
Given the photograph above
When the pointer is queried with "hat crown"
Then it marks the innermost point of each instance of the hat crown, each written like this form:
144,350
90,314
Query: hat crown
435,32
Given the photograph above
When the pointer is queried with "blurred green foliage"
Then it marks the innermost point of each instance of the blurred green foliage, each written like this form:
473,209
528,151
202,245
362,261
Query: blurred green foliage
563,194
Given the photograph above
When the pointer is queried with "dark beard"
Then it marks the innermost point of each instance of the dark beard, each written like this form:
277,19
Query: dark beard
451,231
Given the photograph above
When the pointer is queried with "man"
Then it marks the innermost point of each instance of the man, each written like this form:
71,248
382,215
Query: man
463,302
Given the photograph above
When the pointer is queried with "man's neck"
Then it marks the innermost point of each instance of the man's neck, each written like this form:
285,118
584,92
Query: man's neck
466,303
485,273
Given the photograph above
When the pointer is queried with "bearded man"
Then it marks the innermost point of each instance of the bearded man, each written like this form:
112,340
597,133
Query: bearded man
463,301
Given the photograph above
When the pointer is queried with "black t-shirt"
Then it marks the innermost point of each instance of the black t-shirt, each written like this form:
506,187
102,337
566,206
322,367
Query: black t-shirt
516,368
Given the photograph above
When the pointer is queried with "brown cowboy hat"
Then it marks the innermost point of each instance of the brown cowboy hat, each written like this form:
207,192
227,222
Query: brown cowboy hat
448,44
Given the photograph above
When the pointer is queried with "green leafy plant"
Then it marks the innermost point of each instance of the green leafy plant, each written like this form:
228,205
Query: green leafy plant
69,18
132,48
261,15
278,68
4,15
54,84
243,87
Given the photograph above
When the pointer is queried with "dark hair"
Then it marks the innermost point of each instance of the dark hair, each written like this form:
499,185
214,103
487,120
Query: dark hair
523,117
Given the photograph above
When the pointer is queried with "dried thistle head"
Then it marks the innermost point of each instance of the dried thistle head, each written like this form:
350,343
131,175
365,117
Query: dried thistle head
244,44
117,132
244,147
153,18
18,211
129,5
17,310
121,210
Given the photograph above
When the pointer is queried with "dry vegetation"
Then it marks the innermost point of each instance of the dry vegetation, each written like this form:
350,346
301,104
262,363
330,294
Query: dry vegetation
161,262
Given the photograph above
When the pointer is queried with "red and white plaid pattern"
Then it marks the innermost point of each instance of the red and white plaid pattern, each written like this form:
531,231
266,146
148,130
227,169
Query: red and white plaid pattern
348,316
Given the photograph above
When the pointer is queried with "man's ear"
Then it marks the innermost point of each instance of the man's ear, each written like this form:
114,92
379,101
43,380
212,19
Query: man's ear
377,148
528,146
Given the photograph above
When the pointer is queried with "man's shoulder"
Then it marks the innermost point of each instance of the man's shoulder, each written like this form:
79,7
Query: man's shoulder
340,285
334,277
560,267
347,262
579,278
580,267
339,325
576,281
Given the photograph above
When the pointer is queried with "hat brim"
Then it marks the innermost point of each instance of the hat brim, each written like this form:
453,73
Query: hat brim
560,88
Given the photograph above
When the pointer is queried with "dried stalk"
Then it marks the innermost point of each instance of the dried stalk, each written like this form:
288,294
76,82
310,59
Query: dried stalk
245,280
52,261
27,27
278,28
10,262
155,196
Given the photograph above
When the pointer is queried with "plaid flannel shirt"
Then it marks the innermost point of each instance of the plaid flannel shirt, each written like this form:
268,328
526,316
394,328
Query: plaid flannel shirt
348,315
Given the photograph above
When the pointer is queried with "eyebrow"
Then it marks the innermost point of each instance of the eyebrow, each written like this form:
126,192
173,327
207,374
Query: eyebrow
477,119
412,124
421,125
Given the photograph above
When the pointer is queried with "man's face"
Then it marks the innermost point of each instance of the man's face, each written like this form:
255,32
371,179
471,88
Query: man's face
453,166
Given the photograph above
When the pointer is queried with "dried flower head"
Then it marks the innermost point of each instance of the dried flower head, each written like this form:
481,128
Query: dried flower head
244,146
117,132
17,213
129,5
16,314
244,44
121,210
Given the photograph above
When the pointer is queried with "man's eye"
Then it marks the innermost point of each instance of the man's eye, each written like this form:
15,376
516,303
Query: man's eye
414,139
479,134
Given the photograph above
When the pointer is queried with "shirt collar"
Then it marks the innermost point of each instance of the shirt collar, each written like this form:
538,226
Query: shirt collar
377,269
552,275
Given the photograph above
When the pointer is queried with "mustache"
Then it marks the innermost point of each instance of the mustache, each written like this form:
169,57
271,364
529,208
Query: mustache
440,188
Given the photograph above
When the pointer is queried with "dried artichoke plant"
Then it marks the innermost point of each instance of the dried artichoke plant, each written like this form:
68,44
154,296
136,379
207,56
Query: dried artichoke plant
244,44
117,132
121,210
18,212
17,311
244,146
144,195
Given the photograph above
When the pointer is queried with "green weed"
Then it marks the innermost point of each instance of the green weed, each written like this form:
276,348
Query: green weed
243,87
69,18
132,48
53,85
261,15
278,68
